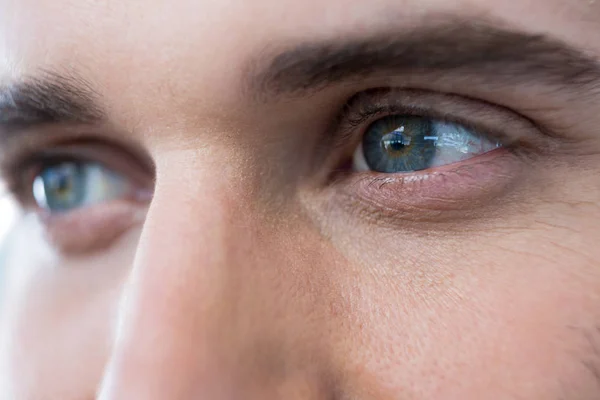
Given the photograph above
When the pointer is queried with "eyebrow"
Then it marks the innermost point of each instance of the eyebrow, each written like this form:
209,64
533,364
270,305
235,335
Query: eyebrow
49,98
450,47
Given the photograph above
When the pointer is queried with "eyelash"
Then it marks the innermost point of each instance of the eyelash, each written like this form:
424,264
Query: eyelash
19,170
517,134
366,107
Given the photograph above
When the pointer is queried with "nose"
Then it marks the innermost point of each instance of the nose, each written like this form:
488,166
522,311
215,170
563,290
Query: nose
231,296
185,318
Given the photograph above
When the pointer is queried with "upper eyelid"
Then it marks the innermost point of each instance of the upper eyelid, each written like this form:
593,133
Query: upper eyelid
56,140
19,172
486,118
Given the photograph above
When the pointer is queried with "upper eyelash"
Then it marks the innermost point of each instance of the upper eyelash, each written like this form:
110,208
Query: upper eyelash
380,102
18,169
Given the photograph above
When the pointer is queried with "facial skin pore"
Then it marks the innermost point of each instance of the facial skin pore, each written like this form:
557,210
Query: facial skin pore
242,254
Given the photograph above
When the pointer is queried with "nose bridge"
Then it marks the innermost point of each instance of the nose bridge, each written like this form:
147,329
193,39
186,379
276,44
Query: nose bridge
179,305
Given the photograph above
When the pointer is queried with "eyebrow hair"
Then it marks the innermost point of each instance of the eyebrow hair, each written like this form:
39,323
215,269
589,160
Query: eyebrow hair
459,47
49,98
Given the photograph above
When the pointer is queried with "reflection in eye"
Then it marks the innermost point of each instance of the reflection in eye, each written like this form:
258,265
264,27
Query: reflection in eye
68,185
405,143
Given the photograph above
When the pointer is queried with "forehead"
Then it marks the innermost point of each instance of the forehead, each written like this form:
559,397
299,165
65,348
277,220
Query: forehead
141,48
163,30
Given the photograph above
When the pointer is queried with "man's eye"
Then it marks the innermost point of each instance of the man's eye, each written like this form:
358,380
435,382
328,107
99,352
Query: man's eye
406,143
69,185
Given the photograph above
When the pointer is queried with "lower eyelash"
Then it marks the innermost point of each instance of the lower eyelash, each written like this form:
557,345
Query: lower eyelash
444,193
92,229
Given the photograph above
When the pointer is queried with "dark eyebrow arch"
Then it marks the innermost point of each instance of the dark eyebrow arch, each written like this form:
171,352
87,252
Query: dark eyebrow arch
451,47
46,99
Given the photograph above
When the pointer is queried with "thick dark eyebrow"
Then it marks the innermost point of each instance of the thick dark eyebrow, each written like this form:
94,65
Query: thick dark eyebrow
49,98
452,47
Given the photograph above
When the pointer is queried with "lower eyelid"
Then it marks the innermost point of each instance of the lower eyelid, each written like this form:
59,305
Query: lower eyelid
92,228
432,194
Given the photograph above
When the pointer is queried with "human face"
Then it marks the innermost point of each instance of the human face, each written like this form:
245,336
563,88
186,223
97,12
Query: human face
308,199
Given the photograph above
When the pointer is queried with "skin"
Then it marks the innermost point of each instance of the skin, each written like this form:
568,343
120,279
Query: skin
249,274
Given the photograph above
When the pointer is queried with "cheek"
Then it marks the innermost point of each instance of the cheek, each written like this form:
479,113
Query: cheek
58,317
506,319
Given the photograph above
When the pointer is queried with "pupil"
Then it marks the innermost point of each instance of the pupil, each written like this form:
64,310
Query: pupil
63,184
395,141
393,144
61,179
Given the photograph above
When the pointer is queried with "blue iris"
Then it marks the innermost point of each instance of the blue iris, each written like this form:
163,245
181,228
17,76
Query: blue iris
68,185
400,143
61,187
